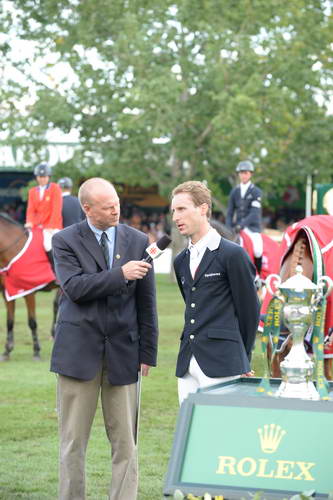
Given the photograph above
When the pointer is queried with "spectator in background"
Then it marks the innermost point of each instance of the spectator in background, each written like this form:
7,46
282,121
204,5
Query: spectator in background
45,207
71,208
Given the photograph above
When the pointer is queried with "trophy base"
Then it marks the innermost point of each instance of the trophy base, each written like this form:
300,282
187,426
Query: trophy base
303,390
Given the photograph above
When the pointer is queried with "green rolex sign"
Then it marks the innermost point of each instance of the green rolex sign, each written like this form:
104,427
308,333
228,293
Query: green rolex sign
235,442
322,202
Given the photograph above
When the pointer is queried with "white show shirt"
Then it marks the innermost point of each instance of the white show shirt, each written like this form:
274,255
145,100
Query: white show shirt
211,240
41,191
244,188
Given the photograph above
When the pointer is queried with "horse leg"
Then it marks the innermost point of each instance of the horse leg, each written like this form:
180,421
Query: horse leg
328,368
279,356
275,366
9,346
31,308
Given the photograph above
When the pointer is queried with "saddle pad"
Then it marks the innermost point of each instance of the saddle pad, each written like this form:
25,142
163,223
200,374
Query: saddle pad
30,270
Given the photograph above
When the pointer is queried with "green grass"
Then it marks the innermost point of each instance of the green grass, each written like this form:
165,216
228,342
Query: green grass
28,420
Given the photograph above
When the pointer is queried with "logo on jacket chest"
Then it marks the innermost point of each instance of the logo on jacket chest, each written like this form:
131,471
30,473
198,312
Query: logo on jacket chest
206,276
210,275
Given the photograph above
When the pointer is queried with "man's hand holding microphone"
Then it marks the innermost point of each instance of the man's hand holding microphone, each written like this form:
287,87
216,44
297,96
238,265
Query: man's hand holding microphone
137,269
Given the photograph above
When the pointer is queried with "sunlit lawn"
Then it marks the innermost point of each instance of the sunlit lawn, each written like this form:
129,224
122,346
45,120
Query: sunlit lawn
28,420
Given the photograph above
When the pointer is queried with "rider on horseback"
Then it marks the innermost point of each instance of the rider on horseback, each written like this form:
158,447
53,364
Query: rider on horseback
244,209
44,207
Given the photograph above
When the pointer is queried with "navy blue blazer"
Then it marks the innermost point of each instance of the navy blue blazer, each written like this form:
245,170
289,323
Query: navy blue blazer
101,316
247,211
221,311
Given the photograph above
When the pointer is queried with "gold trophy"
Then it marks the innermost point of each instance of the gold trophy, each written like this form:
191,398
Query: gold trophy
299,297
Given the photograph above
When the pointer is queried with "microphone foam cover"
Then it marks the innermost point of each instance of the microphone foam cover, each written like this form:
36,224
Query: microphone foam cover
163,242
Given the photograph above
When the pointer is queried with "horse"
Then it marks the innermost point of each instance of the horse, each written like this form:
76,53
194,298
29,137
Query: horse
14,242
308,243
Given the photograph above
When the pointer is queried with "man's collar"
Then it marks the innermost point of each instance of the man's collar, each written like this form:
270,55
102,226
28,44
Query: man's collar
211,240
110,231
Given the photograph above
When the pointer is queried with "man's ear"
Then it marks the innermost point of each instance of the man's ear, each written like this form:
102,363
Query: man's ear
204,208
85,208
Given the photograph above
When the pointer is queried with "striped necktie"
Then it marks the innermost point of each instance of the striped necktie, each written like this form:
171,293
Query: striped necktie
105,248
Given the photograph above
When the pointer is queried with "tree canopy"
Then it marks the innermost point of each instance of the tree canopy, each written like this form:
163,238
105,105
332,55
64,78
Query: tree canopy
162,91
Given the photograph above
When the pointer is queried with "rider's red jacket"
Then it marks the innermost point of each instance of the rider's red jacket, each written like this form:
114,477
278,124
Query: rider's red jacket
45,212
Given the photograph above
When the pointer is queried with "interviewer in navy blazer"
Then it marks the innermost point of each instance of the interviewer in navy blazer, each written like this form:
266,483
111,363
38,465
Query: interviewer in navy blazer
216,279
106,331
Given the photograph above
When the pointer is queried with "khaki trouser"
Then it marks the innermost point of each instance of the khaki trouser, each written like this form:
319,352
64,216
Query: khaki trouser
77,403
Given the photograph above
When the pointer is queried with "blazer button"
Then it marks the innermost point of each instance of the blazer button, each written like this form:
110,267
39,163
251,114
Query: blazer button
193,304
192,321
193,288
191,337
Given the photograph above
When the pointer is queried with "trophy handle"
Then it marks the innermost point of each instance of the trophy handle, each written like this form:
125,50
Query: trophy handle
321,283
273,277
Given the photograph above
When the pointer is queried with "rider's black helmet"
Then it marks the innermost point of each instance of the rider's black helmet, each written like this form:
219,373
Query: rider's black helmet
42,170
245,166
65,183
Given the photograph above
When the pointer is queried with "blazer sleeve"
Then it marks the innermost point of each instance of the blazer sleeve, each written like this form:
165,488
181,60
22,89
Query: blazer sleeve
241,274
30,217
77,284
176,266
147,318
55,220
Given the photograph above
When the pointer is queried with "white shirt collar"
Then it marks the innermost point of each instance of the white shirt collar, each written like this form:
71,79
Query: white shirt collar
98,232
244,187
211,240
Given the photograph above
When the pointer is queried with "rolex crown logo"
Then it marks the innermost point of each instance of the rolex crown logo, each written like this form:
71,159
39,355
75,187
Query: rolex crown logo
270,437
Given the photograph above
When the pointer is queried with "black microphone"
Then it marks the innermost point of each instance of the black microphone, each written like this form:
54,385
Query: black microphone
157,248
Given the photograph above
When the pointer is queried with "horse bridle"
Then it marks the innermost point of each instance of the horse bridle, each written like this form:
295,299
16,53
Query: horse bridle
25,233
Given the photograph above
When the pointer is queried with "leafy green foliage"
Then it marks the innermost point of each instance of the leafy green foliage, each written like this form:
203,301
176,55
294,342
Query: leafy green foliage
217,81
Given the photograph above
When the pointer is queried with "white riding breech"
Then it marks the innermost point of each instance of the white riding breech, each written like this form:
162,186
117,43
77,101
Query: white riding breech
47,238
195,379
256,242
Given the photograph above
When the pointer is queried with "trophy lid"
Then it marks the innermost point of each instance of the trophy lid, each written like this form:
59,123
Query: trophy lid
298,282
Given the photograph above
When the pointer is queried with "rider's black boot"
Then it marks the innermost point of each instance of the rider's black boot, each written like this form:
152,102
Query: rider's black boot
258,263
51,260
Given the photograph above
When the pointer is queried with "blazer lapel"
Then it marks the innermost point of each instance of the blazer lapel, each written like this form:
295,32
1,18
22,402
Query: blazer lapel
182,267
205,262
90,242
120,248
186,267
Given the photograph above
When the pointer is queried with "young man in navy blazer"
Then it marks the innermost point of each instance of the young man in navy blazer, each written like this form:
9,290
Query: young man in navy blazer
106,332
216,280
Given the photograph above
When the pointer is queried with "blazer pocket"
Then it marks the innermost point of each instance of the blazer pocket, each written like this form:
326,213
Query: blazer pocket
65,322
213,277
223,334
134,335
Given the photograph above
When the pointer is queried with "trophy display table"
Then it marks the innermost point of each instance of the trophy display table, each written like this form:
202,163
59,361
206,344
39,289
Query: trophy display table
233,441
